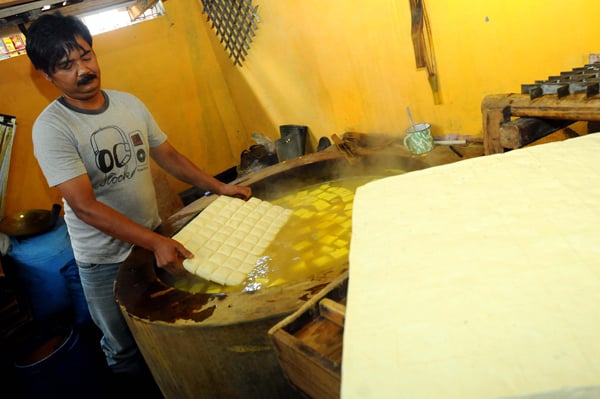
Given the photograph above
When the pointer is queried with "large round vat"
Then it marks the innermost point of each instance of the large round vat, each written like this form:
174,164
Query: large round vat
216,345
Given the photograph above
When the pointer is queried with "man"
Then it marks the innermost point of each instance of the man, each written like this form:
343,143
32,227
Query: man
94,146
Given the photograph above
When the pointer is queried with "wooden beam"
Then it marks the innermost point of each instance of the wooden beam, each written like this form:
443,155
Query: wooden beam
140,7
498,109
522,131
575,107
24,7
27,11
494,113
9,3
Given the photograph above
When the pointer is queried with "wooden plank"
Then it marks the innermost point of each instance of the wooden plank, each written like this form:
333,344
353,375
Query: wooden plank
522,131
575,107
8,10
333,311
140,7
326,338
33,7
8,3
339,281
344,149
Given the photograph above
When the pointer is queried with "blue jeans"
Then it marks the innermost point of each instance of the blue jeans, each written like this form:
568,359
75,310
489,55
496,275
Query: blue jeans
81,313
117,343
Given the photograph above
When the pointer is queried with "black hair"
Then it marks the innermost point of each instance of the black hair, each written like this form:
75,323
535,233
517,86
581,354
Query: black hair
52,37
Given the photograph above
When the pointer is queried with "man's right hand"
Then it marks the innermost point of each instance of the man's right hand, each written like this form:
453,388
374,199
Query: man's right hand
170,254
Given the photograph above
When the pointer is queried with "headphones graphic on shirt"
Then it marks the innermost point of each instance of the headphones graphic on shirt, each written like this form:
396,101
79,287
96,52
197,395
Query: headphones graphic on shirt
111,148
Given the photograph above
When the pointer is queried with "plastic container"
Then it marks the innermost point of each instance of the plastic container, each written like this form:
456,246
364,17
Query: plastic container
292,143
60,364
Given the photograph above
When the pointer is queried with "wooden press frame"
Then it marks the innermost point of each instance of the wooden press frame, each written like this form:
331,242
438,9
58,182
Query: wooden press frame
514,120
538,117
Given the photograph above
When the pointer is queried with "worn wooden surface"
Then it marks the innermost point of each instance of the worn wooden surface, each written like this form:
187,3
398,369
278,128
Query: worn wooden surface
333,311
8,3
522,131
498,109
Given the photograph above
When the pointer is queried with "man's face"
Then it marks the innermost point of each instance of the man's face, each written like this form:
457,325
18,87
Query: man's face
78,74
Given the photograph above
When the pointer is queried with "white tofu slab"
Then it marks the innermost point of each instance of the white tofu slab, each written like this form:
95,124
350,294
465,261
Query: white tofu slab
478,279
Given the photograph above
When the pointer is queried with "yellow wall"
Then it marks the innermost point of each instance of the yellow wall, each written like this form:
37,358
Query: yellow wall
336,66
169,64
347,65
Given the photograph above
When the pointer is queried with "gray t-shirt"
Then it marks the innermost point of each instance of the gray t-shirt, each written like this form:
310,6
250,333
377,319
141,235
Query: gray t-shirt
111,146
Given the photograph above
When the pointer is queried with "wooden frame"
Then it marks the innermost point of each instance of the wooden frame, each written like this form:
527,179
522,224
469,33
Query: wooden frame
309,342
544,114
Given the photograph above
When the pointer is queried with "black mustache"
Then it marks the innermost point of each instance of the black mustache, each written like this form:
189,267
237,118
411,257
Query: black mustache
84,80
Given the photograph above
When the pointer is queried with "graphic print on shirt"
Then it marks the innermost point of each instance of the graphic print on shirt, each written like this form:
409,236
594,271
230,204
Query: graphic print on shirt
139,149
113,153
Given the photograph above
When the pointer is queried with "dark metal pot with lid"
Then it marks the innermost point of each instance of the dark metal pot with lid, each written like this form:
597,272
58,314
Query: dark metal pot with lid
30,222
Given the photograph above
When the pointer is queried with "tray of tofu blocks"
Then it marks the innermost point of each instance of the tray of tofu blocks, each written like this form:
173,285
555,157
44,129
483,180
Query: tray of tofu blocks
229,236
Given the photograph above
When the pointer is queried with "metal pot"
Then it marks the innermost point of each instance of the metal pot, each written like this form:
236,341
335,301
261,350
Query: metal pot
30,222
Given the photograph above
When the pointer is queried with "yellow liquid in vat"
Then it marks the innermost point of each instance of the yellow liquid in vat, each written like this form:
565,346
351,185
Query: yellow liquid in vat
315,239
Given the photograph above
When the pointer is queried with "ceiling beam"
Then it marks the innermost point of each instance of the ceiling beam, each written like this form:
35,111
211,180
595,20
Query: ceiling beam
28,11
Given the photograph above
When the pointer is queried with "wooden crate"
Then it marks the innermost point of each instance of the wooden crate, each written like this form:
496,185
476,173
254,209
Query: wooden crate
309,342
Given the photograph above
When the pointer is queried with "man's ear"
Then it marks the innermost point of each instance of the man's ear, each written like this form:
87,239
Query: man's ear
45,75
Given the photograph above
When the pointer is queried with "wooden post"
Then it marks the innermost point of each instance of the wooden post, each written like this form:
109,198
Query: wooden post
494,110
